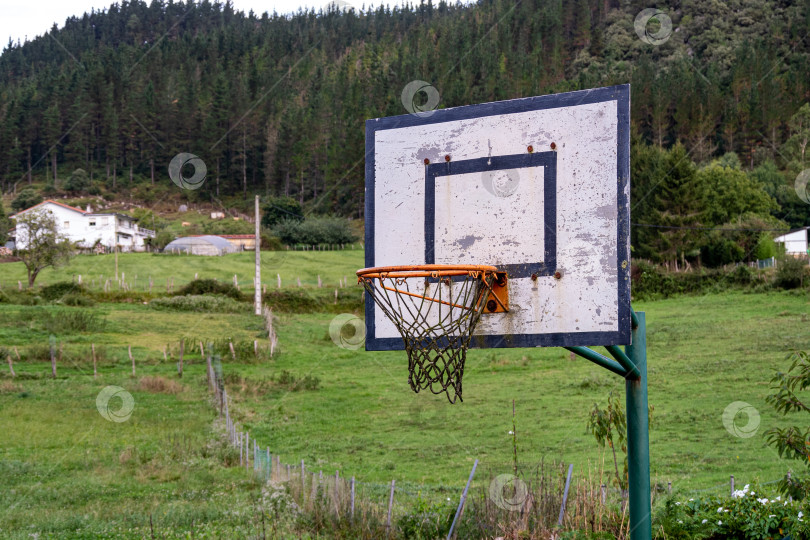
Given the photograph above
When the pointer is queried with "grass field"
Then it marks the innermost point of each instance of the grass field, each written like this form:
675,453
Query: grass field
137,268
65,468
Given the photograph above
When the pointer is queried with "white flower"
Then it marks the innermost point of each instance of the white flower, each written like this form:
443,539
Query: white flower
691,499
677,504
681,522
719,509
772,515
763,500
719,522
511,433
779,498
704,521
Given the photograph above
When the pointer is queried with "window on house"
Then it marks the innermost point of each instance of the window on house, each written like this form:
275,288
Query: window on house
92,223
67,224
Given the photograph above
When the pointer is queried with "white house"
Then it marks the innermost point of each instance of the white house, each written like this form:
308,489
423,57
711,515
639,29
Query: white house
86,227
795,242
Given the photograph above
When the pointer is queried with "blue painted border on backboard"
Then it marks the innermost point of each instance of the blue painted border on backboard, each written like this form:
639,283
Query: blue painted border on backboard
620,94
547,160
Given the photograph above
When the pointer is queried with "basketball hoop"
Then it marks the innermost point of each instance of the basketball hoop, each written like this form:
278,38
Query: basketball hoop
435,307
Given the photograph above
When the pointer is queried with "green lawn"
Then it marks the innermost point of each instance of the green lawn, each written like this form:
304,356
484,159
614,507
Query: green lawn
137,268
704,354
65,468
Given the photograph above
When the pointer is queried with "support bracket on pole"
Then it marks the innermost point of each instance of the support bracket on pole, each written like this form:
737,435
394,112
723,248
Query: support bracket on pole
624,360
599,360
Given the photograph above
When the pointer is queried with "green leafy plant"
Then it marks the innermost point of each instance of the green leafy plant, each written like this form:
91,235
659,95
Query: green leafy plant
26,199
609,427
209,286
747,514
206,303
790,272
790,396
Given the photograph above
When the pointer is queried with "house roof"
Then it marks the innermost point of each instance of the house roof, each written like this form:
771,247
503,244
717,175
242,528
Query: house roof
63,205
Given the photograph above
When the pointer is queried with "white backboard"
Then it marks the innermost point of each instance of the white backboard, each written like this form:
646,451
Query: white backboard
538,187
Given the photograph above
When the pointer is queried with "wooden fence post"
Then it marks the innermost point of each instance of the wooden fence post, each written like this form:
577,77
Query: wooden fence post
129,350
303,484
11,367
53,356
352,500
233,353
337,494
180,362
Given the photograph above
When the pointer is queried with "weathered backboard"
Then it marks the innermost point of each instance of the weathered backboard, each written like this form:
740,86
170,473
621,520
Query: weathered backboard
538,187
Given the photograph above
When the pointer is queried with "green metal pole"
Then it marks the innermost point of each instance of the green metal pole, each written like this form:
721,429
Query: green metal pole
638,436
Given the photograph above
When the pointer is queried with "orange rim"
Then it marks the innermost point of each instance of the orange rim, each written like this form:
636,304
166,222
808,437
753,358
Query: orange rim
424,270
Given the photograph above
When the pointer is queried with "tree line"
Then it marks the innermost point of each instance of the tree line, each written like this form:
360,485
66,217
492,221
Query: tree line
276,104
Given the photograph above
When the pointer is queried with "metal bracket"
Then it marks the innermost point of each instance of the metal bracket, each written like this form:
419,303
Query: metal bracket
498,301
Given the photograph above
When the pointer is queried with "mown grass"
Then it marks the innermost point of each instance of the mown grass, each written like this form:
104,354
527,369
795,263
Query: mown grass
65,468
138,268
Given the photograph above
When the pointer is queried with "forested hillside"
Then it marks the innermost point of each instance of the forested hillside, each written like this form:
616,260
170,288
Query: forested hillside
276,105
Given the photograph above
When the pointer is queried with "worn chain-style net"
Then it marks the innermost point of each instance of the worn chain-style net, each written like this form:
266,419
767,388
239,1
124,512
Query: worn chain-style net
436,316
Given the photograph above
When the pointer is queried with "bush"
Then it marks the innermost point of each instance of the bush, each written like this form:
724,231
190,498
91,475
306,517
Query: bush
78,300
314,300
26,199
209,286
69,321
58,290
427,520
294,384
206,303
271,243
21,298
315,231
719,251
790,272
278,209
77,181
748,514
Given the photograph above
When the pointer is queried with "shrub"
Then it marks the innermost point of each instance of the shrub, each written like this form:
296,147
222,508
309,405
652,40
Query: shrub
77,300
209,303
67,321
278,209
315,231
26,199
271,243
21,298
427,520
77,181
747,514
58,290
790,273
209,286
293,383
159,385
